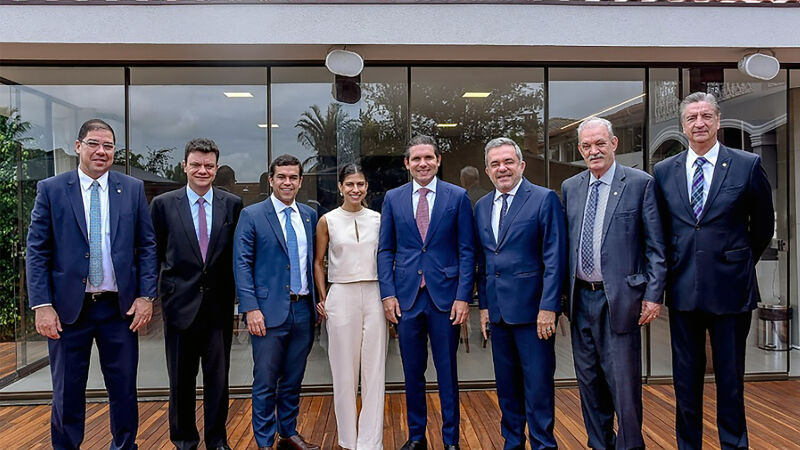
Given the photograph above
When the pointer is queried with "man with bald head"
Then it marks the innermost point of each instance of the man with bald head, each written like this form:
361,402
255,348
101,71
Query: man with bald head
617,274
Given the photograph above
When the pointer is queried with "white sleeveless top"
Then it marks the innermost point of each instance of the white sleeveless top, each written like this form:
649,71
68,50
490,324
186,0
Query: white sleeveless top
352,245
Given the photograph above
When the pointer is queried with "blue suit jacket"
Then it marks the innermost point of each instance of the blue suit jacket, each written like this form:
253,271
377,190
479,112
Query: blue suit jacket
523,271
711,260
261,261
632,253
447,257
58,244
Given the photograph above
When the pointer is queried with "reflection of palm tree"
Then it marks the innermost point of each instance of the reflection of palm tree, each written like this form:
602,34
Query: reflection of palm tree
320,132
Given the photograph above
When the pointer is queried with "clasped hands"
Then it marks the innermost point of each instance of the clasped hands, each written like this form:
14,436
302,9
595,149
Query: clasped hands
459,312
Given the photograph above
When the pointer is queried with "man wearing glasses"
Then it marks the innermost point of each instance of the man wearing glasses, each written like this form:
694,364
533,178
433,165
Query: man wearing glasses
91,268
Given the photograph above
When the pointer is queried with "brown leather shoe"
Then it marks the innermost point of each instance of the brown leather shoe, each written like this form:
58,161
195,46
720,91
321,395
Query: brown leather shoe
295,442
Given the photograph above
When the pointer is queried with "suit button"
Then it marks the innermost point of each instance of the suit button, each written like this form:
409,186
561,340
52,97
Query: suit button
497,274
287,287
697,228
419,272
496,252
424,249
87,256
288,267
201,289
83,280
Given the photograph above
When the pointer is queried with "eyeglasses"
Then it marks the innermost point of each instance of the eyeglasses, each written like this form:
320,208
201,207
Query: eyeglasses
94,145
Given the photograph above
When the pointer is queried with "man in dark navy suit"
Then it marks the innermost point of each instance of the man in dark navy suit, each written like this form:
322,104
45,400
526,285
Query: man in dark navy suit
426,265
91,268
521,261
194,230
273,253
716,205
617,273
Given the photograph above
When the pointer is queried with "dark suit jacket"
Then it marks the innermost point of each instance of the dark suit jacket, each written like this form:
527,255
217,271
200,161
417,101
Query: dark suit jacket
712,260
447,257
261,261
184,278
58,244
524,271
632,253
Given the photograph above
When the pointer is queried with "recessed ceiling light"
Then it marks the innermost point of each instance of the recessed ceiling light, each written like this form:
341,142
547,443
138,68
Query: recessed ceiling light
446,125
476,94
263,125
238,95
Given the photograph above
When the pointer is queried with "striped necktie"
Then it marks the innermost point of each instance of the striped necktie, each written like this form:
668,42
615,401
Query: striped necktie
698,187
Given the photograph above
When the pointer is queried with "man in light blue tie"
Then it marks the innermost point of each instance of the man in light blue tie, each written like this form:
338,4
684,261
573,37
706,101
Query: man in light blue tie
273,252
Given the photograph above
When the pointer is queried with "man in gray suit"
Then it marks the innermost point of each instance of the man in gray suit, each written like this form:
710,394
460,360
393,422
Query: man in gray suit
617,275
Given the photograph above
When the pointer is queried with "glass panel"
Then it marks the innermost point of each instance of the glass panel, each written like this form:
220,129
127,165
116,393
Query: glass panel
324,134
791,188
51,104
464,108
170,106
574,95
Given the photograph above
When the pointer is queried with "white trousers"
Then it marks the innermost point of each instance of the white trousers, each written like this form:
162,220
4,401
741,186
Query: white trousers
357,339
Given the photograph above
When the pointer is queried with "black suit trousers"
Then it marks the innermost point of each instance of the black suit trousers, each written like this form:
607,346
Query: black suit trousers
207,343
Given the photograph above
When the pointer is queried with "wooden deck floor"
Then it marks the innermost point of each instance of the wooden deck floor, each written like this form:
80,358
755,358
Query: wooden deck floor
773,412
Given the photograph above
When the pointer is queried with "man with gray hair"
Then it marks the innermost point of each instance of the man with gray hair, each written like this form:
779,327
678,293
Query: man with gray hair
521,260
617,273
717,209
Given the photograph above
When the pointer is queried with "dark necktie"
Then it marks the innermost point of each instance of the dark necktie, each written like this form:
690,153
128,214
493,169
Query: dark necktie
202,227
698,187
503,212
587,238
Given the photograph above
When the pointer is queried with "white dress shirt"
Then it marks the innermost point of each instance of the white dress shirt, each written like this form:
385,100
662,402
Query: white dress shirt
109,278
498,205
302,239
597,234
708,169
195,208
431,196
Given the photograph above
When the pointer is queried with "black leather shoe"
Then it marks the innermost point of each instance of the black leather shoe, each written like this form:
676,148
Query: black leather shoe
452,447
264,448
222,447
421,444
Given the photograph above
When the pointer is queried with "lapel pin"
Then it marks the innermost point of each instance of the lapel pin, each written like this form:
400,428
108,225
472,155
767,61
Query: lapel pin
119,191
308,220
724,164
615,192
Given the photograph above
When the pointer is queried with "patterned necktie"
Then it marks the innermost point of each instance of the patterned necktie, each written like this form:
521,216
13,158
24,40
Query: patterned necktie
503,212
95,237
294,254
587,237
423,220
698,186
202,227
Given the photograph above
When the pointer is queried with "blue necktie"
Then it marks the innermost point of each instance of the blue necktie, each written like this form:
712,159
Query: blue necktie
294,254
95,237
698,186
503,212
587,238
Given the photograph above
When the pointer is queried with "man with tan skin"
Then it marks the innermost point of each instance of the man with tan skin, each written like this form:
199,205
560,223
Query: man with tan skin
521,260
91,268
426,265
716,206
617,274
194,227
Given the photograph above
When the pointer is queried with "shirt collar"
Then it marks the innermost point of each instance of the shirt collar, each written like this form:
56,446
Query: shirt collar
193,196
711,156
86,181
607,177
512,192
431,186
280,206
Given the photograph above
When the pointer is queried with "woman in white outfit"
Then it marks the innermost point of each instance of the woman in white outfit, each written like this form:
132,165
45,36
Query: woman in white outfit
357,331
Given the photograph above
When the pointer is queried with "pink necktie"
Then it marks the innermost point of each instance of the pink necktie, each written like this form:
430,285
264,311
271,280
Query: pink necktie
423,220
202,231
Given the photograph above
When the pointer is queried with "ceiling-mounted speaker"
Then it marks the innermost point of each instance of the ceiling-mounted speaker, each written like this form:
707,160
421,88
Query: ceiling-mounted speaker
759,65
347,89
344,62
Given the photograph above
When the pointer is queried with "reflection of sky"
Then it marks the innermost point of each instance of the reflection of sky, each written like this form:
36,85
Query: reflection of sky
578,99
169,116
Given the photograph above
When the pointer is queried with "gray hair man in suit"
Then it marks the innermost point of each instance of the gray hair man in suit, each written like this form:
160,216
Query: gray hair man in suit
617,274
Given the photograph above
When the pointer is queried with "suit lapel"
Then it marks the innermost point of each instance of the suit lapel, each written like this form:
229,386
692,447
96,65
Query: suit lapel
217,218
578,207
76,200
679,177
486,217
720,170
614,194
523,193
272,219
114,203
439,206
185,214
407,209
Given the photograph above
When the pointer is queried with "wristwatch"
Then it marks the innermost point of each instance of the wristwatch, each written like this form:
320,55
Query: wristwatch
149,299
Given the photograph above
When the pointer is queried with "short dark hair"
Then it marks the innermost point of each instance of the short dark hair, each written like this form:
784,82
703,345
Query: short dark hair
421,139
94,124
201,145
225,176
284,160
350,169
